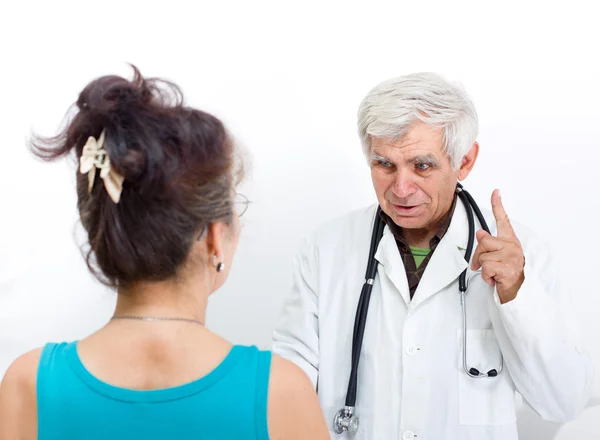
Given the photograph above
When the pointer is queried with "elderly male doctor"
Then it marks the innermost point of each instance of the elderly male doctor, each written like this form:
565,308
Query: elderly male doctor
419,134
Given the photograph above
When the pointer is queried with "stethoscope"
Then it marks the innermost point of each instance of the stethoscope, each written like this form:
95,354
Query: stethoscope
345,419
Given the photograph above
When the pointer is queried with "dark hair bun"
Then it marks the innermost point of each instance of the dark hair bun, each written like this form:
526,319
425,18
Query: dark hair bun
177,164
113,93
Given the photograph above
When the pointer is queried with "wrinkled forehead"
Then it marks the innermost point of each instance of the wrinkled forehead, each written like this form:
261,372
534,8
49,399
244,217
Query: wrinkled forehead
424,143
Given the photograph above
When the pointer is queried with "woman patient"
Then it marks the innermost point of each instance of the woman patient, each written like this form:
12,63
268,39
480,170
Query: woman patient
156,194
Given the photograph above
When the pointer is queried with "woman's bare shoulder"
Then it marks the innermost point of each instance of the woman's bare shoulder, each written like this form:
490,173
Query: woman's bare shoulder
294,410
18,402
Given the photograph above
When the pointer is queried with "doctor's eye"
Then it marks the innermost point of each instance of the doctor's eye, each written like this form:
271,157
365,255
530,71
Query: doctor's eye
384,163
423,166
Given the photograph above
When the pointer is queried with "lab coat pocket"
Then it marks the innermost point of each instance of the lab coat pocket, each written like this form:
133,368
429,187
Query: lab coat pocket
484,401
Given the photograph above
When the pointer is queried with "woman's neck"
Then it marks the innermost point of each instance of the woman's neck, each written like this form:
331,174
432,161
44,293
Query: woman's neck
167,299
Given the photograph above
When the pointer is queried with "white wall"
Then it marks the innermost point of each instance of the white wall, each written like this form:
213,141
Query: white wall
287,77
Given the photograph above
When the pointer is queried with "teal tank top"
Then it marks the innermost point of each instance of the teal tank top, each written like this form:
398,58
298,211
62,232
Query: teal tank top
228,403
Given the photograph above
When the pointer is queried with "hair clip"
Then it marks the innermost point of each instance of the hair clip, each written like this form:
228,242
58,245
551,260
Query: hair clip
93,157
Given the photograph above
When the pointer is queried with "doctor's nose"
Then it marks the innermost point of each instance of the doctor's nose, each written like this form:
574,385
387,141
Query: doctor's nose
403,186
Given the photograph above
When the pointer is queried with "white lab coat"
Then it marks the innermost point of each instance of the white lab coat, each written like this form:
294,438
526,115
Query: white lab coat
411,382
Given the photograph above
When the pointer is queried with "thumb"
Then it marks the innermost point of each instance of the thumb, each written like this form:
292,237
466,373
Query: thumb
481,234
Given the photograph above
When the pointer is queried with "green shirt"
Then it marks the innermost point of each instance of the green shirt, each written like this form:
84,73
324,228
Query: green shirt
419,254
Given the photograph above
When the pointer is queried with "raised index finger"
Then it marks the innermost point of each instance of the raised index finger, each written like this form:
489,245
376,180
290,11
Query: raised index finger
502,221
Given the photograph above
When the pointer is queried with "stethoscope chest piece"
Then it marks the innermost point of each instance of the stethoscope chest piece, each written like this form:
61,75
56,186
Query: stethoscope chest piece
345,420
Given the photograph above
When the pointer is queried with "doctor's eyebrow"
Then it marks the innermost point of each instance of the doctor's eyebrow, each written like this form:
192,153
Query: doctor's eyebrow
428,159
375,157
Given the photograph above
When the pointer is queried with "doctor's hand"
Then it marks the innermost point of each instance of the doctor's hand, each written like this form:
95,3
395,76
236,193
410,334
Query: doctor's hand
500,258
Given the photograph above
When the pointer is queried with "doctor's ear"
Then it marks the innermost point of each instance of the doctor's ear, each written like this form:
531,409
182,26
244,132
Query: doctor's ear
468,162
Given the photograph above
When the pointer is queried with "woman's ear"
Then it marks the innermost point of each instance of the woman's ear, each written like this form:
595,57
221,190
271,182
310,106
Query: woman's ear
215,236
468,162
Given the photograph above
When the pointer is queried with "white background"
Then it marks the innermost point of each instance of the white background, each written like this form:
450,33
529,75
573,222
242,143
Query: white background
287,78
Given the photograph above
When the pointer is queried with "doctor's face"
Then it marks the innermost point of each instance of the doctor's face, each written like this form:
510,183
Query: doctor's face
413,178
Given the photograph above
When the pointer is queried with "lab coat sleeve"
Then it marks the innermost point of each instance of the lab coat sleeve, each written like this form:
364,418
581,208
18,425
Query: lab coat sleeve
296,336
538,335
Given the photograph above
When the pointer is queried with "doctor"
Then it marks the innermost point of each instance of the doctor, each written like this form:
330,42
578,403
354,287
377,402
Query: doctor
414,378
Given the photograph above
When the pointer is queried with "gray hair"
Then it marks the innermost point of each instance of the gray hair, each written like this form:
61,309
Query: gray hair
390,108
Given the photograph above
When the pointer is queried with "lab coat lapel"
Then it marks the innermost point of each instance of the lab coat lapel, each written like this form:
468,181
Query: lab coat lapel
447,261
389,258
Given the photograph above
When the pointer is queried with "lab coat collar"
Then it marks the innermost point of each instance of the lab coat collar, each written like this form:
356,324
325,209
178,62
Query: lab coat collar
389,257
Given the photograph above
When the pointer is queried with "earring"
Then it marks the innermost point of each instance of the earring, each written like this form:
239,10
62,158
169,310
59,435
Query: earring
220,266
